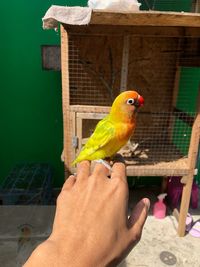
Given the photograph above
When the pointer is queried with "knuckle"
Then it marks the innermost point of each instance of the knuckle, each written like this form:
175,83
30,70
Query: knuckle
137,233
134,238
138,236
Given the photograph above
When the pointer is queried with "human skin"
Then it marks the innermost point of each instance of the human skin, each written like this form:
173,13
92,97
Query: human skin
91,226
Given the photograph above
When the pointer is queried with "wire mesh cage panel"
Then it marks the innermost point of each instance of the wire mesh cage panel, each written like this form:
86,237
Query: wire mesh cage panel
28,183
159,58
155,67
94,77
95,65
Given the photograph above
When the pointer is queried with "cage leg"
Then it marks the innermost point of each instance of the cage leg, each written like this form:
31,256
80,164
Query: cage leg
67,172
185,201
164,184
176,214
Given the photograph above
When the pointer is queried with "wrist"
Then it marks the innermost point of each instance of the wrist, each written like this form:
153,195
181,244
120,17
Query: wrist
44,255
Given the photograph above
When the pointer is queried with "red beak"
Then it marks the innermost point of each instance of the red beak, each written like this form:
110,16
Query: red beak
141,100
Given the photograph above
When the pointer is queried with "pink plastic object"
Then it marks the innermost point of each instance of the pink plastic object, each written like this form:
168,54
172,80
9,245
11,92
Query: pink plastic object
195,230
189,222
174,192
159,209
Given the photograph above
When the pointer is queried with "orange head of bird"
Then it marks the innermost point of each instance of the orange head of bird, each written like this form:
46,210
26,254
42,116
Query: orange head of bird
125,105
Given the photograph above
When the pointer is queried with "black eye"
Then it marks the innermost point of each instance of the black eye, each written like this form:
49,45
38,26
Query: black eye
130,101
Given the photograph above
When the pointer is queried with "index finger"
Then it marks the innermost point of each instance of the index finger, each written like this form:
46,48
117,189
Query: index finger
83,170
119,171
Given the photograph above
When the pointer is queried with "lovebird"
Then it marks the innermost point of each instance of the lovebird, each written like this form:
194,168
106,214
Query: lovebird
114,131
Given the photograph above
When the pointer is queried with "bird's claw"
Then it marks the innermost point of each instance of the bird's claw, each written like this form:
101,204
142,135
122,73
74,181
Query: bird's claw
107,165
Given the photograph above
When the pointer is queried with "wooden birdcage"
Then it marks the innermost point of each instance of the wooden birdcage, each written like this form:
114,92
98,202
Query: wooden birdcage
149,52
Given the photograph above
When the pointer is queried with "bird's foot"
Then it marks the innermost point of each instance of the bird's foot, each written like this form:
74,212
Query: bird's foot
105,163
118,158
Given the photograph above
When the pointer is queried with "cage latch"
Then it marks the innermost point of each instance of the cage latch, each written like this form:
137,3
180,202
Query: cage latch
75,141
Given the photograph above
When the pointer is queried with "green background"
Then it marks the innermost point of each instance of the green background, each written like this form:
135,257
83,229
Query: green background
169,5
187,102
30,98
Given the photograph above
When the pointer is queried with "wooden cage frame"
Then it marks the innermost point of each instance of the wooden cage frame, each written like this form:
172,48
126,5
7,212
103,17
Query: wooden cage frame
144,22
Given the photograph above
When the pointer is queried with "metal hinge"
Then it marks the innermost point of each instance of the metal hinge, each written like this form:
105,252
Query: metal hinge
75,141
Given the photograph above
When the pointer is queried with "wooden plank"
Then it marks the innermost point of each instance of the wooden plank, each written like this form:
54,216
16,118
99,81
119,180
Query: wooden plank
125,62
187,188
120,30
197,6
185,201
198,101
194,144
79,126
148,171
65,100
73,120
91,116
176,214
88,109
153,171
184,179
148,18
164,184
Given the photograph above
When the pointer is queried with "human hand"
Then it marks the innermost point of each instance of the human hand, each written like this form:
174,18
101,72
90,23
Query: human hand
91,226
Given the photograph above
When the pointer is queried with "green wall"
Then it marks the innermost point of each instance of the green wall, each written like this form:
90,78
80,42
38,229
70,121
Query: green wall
188,88
186,102
167,5
30,98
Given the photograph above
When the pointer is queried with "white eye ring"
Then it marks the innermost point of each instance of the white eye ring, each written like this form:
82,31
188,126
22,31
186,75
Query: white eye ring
130,101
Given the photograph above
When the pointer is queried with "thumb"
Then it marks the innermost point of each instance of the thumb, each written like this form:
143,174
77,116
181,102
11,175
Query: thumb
138,217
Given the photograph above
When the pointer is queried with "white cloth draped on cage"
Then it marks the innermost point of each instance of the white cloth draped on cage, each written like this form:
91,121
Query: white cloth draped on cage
122,5
77,15
68,15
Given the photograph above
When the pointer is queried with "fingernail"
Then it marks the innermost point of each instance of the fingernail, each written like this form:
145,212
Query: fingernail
147,203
